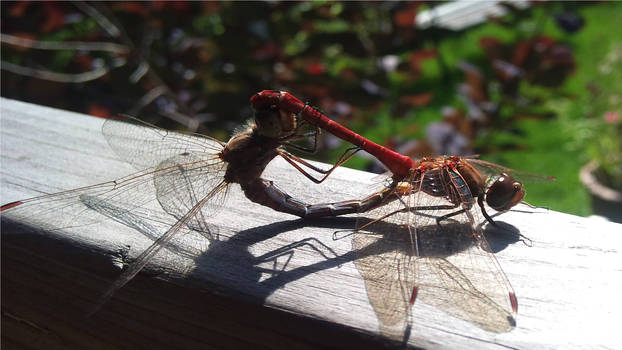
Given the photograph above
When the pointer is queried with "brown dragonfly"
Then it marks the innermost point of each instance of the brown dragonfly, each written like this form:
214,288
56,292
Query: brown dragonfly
187,175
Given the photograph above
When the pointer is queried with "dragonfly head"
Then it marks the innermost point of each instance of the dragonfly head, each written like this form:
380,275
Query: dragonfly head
275,123
504,193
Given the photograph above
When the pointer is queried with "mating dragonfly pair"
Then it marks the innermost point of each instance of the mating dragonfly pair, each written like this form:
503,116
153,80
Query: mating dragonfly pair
192,174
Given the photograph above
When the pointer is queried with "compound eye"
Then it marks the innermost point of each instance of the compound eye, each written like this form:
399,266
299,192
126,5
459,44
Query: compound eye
268,122
504,193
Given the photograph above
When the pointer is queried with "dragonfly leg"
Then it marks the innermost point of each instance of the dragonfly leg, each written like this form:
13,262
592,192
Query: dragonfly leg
439,207
447,216
295,161
480,202
349,153
381,218
286,141
415,209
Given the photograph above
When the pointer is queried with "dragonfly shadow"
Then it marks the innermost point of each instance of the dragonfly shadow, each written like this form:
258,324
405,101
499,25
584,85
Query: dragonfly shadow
445,266
434,240
501,235
230,265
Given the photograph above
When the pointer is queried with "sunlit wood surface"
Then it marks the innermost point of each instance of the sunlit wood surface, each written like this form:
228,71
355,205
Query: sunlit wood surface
265,279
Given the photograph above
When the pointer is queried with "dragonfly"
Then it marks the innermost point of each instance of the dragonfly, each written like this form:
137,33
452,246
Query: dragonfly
398,164
472,176
187,175
427,215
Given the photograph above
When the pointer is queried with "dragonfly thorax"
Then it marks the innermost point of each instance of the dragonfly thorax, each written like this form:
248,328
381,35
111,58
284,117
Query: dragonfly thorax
473,179
247,154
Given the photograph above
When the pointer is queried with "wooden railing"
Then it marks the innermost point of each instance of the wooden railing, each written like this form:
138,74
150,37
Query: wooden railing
263,279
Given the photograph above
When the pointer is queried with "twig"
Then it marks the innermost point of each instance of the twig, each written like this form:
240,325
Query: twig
107,22
64,45
61,77
103,22
147,99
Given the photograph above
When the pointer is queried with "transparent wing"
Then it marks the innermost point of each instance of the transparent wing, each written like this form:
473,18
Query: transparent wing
175,185
180,169
145,146
189,180
457,272
183,185
135,219
492,169
447,262
162,241
385,260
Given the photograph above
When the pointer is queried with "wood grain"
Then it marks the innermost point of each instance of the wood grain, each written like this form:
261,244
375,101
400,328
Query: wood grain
265,279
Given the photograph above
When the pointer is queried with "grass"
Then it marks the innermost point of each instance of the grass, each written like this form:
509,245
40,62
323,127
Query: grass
553,146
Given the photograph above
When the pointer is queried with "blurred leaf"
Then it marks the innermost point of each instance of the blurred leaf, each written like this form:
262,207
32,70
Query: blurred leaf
19,8
55,18
298,44
209,25
417,100
405,18
331,27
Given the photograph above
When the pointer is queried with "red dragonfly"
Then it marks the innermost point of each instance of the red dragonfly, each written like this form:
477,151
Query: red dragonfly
188,176
398,164
427,213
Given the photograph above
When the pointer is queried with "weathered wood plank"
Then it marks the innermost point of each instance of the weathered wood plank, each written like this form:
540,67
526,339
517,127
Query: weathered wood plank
261,282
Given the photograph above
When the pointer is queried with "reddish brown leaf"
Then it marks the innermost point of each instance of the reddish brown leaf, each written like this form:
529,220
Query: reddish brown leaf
135,7
521,51
492,46
315,68
210,6
175,5
417,100
98,111
268,51
19,8
406,18
417,57
55,18
84,61
475,81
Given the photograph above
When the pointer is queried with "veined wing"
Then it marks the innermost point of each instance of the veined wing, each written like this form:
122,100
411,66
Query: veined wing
141,261
456,270
145,146
387,258
385,261
178,191
178,181
492,169
135,219
443,265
